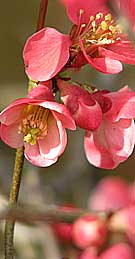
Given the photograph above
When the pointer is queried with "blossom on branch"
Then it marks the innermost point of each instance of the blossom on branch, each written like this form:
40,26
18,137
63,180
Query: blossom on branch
39,125
97,37
107,118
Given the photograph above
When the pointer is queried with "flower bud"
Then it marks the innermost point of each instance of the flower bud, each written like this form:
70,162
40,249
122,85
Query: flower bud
62,230
89,230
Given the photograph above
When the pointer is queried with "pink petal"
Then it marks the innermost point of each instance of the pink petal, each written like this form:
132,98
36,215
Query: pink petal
41,92
33,155
111,144
104,65
12,113
124,52
54,143
90,8
61,112
123,104
85,110
10,135
45,54
88,117
95,151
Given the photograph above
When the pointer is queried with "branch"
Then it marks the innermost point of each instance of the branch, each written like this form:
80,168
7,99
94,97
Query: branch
50,214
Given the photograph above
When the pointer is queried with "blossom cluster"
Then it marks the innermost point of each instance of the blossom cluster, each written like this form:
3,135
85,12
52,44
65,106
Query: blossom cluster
92,232
38,122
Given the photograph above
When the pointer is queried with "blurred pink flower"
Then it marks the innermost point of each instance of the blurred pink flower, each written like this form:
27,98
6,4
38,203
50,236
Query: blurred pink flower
63,230
45,54
111,193
124,220
97,38
89,230
113,142
39,125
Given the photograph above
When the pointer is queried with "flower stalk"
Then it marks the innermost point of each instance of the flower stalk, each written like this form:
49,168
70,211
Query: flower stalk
10,224
19,160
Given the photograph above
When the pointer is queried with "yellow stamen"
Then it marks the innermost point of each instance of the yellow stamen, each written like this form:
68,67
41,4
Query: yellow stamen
112,28
108,17
34,123
99,16
104,26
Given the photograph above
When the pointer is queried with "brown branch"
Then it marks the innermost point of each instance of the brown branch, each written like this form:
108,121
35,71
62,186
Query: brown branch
50,214
42,14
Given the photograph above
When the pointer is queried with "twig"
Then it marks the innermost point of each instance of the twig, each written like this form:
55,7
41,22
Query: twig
51,213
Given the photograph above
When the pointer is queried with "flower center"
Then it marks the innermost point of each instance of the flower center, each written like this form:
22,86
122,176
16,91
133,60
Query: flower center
100,30
34,123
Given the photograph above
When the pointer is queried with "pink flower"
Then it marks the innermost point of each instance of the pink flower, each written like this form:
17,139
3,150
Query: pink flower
108,120
39,125
89,230
124,220
97,38
63,230
45,54
113,142
111,193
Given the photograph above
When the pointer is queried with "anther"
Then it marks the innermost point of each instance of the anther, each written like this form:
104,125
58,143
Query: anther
104,26
99,16
108,17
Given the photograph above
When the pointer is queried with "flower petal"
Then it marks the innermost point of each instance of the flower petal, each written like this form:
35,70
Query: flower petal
123,104
88,117
33,155
103,64
54,143
45,54
61,112
10,135
12,113
111,144
89,8
124,52
85,110
41,92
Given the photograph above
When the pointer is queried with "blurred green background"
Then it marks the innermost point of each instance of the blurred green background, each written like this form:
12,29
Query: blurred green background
72,178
